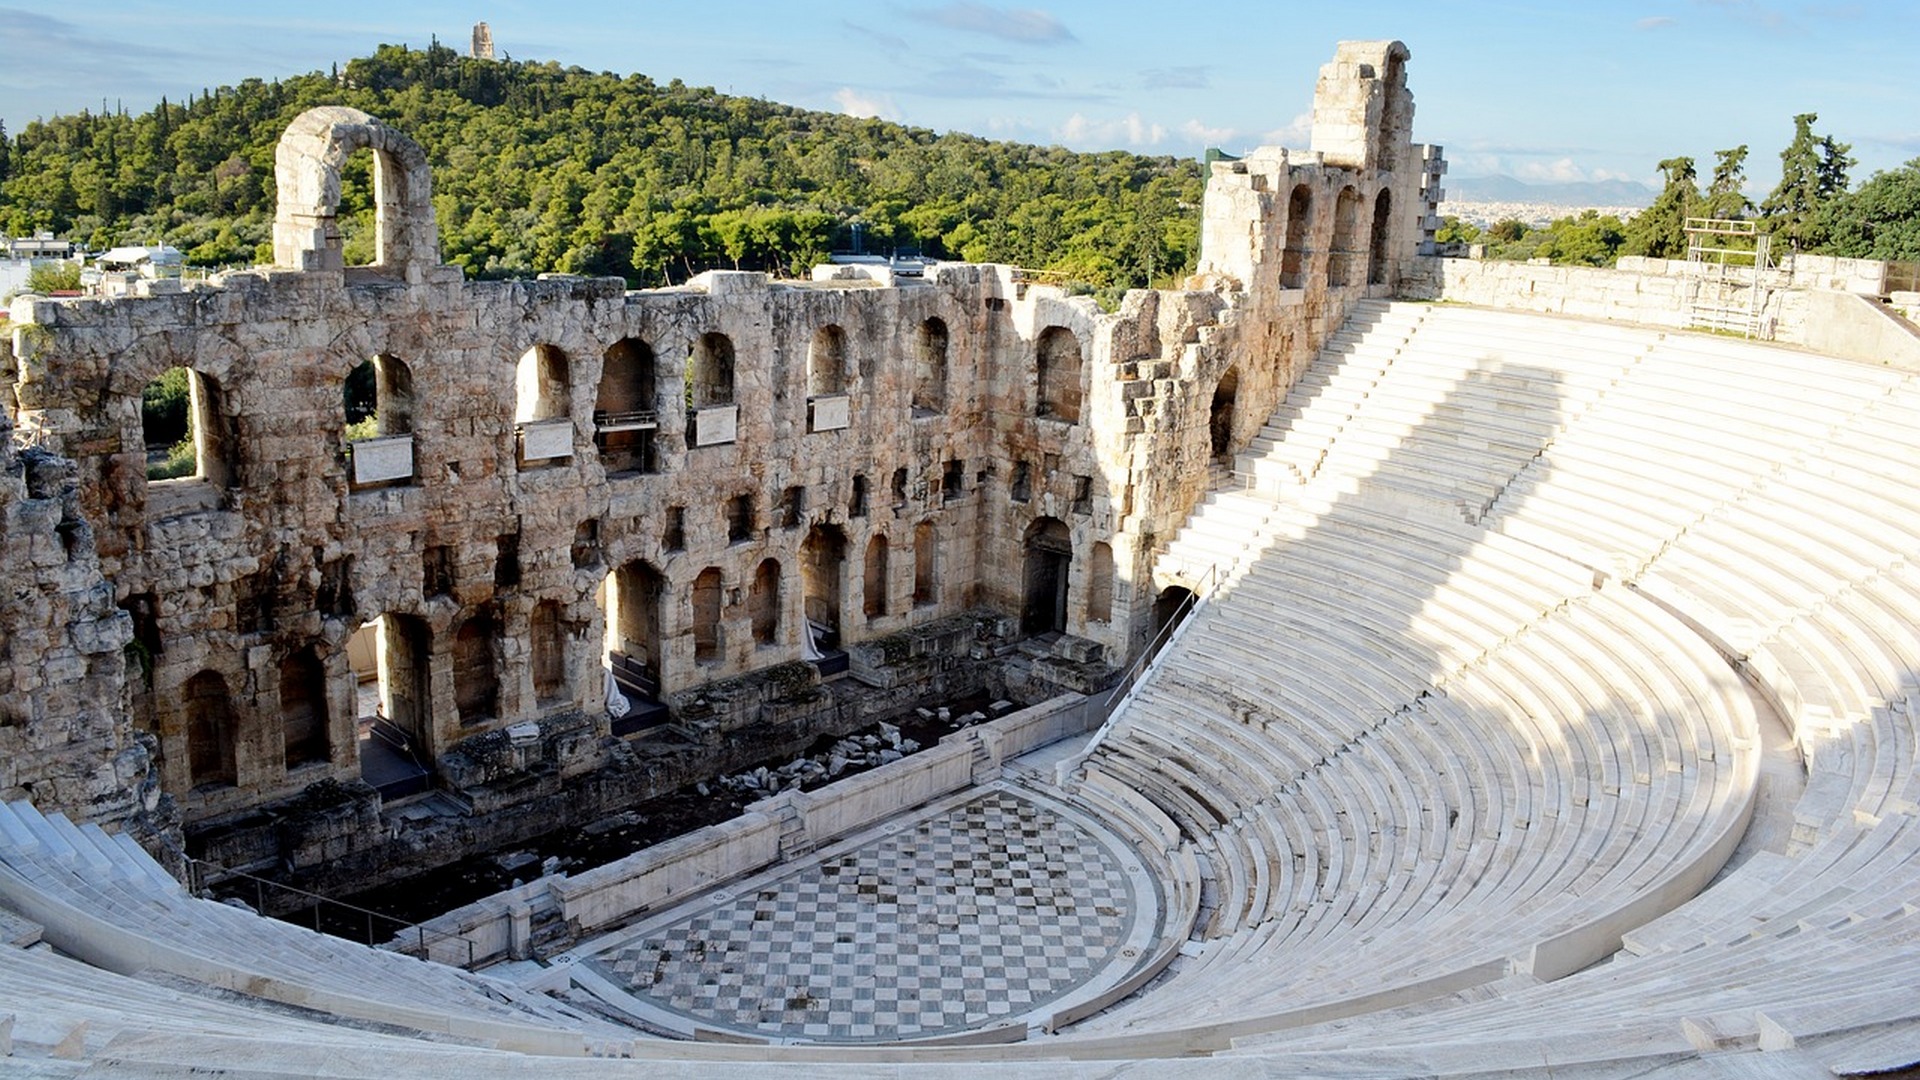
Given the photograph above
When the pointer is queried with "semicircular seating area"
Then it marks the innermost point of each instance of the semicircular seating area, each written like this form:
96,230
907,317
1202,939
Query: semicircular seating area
1706,503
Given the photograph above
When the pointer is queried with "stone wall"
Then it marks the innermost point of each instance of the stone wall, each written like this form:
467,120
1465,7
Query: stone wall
562,468
65,741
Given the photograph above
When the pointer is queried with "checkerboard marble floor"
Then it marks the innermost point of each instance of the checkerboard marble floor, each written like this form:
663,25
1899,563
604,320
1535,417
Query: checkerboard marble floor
989,908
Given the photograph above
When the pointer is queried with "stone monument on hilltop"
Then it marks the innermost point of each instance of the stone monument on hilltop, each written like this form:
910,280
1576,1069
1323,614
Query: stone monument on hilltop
482,41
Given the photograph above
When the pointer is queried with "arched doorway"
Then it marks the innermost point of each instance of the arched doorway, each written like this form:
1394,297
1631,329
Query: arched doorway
1049,556
1170,608
1220,415
1296,256
1382,226
823,559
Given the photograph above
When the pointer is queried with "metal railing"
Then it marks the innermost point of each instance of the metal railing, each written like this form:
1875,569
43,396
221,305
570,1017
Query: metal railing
201,874
1123,688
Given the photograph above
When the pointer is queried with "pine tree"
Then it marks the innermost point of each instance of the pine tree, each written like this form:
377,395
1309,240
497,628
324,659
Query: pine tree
1725,199
1813,171
1660,231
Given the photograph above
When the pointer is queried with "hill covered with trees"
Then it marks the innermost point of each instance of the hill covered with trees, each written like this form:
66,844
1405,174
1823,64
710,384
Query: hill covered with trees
541,168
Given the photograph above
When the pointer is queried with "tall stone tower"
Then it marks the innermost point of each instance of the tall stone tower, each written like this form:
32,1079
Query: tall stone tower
482,41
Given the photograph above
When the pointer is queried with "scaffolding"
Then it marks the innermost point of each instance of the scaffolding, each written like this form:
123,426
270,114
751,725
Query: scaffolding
1727,265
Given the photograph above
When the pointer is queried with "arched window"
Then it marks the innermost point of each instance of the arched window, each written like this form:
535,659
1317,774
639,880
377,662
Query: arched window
1057,370
303,709
926,588
1377,262
710,372
378,404
930,369
543,389
543,401
1220,414
1343,262
875,592
706,616
1298,255
766,602
827,362
476,686
1100,583
710,392
548,646
625,410
210,731
182,428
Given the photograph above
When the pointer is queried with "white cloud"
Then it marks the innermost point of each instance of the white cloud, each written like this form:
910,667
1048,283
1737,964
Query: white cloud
854,103
1210,136
1024,25
1296,135
1656,22
1129,130
1559,171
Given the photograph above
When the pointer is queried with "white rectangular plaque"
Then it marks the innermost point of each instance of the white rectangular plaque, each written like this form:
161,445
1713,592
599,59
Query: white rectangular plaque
543,440
715,424
389,457
830,413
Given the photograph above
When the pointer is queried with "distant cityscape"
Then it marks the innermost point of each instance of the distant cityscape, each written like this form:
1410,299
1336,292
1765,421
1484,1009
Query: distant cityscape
1531,214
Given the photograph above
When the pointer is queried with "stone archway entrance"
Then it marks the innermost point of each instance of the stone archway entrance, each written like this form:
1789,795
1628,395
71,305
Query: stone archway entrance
1220,415
1049,556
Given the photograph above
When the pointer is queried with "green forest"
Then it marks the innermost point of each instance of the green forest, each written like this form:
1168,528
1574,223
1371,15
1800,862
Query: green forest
539,168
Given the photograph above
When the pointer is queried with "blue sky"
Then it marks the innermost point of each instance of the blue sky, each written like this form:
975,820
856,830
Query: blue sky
1592,89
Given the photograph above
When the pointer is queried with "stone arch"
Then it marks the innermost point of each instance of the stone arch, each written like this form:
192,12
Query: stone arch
1377,262
874,585
765,600
1100,583
306,170
926,565
1343,259
930,368
626,408
476,682
547,647
543,385
823,557
707,597
1297,255
210,731
710,371
1057,373
1049,556
827,362
304,718
1220,414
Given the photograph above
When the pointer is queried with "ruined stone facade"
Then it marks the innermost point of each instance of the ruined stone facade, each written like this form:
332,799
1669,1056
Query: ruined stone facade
562,469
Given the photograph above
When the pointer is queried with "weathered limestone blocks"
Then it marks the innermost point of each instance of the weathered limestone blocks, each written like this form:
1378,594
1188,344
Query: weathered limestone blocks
65,740
708,480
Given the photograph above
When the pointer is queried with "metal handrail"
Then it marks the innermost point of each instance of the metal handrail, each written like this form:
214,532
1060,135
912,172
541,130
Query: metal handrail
197,885
1123,688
